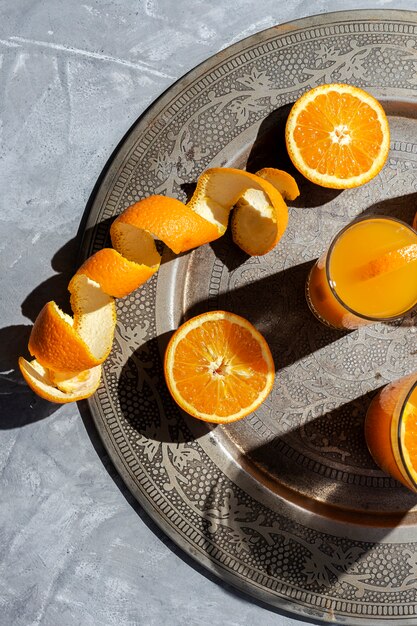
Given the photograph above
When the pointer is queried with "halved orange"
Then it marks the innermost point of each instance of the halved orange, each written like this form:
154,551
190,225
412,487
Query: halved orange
337,136
218,367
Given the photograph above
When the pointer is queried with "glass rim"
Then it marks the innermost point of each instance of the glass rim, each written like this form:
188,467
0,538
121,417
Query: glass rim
328,257
400,420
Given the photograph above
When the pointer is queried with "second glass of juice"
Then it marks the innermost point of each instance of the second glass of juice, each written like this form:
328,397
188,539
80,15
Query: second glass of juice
369,274
391,430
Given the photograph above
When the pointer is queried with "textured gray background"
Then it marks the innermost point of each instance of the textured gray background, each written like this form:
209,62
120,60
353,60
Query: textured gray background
74,547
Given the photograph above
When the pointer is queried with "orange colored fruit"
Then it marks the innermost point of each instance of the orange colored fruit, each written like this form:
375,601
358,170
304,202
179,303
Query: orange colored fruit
415,222
55,344
282,181
67,350
116,273
259,218
337,136
218,367
59,342
388,262
171,221
59,389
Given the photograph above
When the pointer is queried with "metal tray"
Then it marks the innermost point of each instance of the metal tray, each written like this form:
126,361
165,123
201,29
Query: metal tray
287,504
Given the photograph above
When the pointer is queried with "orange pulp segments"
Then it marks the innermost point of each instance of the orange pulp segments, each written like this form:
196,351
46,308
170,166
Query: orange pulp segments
337,136
218,367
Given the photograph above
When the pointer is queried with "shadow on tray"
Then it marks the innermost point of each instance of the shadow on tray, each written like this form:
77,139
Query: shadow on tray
252,537
156,418
240,532
18,404
403,208
277,306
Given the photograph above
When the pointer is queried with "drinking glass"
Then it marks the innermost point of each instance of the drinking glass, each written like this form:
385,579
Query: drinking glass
368,274
390,426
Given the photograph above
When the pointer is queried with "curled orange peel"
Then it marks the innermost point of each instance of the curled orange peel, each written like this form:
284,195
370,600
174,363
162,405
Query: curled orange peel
69,350
54,387
259,218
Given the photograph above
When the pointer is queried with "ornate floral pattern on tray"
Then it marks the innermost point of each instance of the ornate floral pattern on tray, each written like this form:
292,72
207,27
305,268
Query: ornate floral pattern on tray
287,504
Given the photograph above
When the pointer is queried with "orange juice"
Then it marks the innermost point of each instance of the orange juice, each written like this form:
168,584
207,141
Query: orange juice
391,428
368,274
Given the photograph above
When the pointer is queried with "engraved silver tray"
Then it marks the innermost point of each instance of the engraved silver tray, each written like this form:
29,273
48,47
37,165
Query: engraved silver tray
287,504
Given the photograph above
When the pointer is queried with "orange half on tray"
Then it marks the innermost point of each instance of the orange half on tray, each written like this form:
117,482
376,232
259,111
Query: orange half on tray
218,367
337,136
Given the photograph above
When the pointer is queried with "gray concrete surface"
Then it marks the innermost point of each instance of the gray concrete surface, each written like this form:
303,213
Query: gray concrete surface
75,548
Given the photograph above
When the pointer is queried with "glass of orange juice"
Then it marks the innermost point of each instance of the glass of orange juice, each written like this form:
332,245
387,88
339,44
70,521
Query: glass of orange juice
368,274
391,430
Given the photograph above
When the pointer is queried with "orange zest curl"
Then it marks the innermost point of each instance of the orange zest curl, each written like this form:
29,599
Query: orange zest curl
68,351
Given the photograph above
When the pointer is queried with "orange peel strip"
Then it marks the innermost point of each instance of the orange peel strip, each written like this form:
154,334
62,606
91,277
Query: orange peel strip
62,343
40,381
282,181
259,219
169,220
52,330
388,262
68,350
117,275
